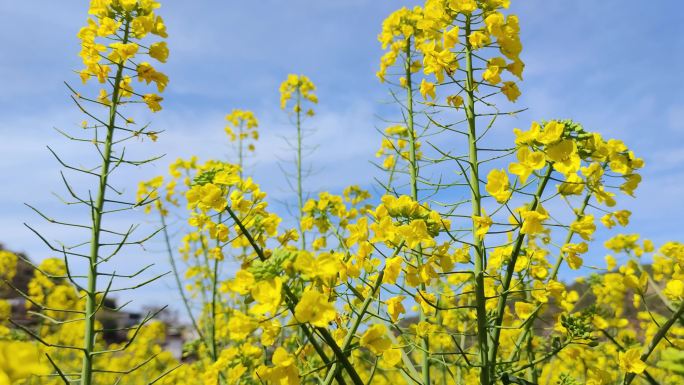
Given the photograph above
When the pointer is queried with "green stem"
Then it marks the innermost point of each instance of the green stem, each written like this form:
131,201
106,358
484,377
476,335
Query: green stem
359,318
214,298
179,284
413,164
656,340
529,348
649,378
300,193
91,289
570,235
291,301
568,238
482,329
510,269
414,169
214,286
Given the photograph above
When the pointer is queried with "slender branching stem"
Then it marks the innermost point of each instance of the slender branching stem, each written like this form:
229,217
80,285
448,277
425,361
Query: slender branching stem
480,263
179,284
414,170
660,334
300,192
291,301
359,318
510,270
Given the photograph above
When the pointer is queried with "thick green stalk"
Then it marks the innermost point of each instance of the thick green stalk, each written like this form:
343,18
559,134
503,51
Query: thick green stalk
414,169
97,209
482,329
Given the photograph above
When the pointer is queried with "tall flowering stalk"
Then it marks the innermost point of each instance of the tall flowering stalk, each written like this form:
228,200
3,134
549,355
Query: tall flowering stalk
241,129
113,47
300,89
125,23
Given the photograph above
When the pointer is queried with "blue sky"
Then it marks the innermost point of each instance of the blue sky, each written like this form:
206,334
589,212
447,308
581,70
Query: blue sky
613,65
